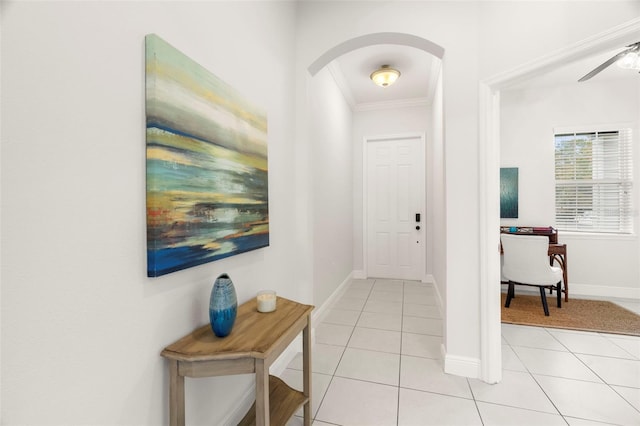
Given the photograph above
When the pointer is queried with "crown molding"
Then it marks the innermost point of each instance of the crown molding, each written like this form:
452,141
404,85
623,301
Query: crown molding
399,103
613,38
338,77
341,82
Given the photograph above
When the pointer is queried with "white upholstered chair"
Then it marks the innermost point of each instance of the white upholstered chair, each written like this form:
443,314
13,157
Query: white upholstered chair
526,262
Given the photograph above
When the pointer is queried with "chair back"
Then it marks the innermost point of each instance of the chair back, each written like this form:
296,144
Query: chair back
526,260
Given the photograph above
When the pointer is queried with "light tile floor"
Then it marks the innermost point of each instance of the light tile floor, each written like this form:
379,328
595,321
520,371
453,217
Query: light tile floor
376,361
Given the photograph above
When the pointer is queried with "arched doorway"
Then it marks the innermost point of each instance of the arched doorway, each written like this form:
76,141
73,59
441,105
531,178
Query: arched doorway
373,39
425,47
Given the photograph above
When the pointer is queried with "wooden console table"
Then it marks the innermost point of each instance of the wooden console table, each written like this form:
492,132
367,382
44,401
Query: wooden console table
256,341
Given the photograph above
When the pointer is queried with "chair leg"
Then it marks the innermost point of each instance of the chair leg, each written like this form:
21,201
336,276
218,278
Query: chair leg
510,291
559,291
543,296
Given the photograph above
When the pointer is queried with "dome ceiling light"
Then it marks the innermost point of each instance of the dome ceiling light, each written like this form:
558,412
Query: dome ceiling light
385,76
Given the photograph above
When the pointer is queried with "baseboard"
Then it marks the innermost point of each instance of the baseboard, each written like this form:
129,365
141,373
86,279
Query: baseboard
461,366
577,290
438,299
456,365
241,408
319,313
249,395
285,358
359,275
590,291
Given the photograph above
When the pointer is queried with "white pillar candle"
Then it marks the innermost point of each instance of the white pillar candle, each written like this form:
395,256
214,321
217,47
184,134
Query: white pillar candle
266,301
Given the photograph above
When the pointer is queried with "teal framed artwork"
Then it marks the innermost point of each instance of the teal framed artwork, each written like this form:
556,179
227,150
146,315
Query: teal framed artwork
509,192
206,165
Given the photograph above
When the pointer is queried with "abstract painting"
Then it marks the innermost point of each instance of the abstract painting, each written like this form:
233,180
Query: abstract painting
207,174
509,192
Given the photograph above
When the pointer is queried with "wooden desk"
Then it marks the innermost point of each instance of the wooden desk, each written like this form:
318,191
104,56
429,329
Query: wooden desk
558,253
547,231
256,341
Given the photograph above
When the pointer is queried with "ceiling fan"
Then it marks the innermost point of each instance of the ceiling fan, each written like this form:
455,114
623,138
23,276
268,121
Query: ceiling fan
629,58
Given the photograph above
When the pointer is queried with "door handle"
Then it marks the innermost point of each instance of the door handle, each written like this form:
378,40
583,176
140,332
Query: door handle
418,227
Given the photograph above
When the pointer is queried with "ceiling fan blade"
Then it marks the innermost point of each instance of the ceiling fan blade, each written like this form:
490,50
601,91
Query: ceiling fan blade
604,65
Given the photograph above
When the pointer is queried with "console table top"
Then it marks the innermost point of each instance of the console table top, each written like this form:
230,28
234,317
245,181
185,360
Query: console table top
254,334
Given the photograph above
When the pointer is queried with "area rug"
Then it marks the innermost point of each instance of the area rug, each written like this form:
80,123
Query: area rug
576,314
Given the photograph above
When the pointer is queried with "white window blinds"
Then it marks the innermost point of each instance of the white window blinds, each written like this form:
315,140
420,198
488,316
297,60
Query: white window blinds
593,181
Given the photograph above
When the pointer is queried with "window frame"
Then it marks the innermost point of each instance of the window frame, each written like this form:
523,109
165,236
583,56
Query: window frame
625,193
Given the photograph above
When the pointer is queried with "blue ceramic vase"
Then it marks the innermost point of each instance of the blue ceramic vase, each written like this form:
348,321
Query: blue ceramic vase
223,306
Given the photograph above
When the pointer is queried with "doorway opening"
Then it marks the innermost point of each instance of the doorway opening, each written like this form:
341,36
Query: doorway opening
430,137
489,162
431,153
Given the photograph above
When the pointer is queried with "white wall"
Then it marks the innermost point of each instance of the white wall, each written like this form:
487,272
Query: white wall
331,192
598,265
437,217
82,325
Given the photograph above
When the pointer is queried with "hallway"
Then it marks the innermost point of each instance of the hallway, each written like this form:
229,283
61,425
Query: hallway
376,361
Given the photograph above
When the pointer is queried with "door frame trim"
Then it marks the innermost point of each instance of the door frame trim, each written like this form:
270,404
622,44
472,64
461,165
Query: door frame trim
423,232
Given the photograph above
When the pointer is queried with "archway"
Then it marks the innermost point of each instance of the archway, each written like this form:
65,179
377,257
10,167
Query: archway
420,45
371,40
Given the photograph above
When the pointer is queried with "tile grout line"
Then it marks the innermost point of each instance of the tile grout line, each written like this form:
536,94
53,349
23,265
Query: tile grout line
333,375
402,286
530,373
352,331
606,382
475,401
400,355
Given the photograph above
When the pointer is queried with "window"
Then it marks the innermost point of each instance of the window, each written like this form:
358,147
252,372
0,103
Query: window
593,181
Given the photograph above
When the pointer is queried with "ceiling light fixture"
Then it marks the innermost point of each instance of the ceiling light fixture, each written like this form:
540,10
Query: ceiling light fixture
385,76
630,61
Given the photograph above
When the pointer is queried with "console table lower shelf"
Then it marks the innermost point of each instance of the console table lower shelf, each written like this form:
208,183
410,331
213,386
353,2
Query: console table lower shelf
283,403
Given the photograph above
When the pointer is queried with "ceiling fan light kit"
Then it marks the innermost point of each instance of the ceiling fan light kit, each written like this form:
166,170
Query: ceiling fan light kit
627,59
385,76
630,61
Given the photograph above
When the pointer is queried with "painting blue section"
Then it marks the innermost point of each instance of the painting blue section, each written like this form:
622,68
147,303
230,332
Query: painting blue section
151,124
167,260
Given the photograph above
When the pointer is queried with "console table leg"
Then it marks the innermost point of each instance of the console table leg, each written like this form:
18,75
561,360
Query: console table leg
262,394
306,370
176,395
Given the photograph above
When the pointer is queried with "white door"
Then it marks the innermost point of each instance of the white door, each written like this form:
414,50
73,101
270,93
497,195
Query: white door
394,199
